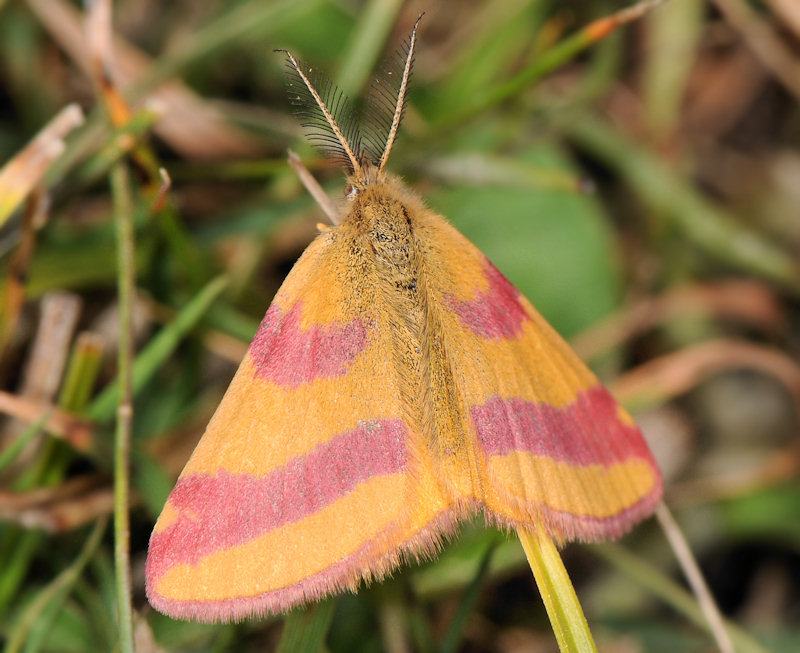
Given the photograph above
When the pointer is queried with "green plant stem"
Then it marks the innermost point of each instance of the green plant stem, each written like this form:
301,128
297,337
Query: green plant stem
675,32
565,612
123,217
548,62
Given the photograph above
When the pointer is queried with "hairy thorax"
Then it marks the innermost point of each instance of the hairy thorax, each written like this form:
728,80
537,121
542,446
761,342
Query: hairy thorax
383,222
389,223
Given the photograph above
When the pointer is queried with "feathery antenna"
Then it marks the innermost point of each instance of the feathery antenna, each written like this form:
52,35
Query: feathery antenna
328,114
329,118
390,91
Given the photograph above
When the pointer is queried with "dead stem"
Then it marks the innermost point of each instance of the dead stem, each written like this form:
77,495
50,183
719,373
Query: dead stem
692,572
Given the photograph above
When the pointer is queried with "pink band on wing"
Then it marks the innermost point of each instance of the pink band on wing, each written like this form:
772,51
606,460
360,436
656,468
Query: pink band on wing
288,355
495,313
341,574
217,511
585,431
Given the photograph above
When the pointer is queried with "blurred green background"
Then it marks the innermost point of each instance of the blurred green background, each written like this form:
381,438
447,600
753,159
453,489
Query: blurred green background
642,189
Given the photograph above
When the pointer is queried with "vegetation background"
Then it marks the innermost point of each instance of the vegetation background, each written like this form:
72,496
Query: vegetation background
642,189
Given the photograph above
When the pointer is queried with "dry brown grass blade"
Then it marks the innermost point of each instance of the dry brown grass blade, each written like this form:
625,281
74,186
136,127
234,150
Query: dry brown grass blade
694,576
749,302
77,432
99,39
23,172
48,357
185,114
162,192
44,367
721,91
226,346
789,12
60,508
673,374
143,639
314,189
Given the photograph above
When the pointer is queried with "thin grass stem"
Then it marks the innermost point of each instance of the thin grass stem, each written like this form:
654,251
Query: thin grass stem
660,585
695,577
123,217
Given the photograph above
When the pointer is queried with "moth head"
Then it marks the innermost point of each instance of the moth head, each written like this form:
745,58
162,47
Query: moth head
361,144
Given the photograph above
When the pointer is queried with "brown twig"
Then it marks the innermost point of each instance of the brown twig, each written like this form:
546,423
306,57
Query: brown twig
602,27
44,367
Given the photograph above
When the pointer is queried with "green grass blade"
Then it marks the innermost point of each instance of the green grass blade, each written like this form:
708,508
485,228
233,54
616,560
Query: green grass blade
468,601
364,47
563,608
305,629
159,349
8,454
56,591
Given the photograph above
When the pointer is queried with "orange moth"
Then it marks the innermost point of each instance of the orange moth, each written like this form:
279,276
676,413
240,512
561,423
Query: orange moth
397,385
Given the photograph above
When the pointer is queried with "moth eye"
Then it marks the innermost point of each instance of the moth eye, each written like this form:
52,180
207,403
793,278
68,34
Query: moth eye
350,192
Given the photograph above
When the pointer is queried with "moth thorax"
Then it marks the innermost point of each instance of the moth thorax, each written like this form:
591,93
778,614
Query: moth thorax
391,239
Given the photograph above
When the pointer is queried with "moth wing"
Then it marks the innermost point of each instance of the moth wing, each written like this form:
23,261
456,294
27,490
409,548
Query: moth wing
548,442
307,479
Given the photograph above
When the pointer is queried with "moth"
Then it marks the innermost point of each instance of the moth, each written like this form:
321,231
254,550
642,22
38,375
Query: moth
397,385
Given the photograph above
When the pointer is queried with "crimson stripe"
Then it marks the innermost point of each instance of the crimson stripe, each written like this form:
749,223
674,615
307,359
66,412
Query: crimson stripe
217,511
496,313
584,432
372,560
288,355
